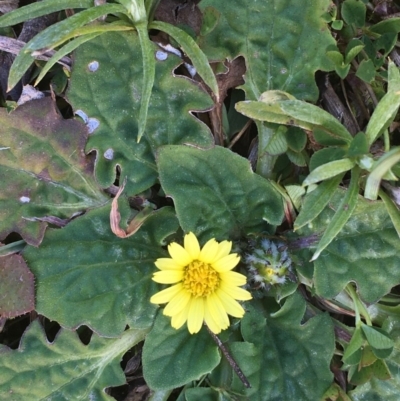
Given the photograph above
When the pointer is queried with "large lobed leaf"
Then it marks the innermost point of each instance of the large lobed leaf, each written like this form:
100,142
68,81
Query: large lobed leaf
86,275
43,169
112,95
216,194
65,369
282,359
283,41
172,358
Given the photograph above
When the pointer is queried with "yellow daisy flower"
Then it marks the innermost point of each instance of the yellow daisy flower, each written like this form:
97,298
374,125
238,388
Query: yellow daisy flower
205,289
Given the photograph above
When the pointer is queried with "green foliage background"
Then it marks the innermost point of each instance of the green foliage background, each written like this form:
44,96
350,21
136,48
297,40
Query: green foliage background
210,120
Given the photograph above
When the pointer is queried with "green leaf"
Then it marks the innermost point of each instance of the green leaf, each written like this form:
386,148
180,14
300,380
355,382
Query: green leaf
97,28
323,138
202,394
45,7
283,45
337,25
381,167
335,56
68,48
377,338
381,370
55,35
65,369
368,356
297,113
352,49
288,360
296,139
12,247
390,25
277,144
392,210
172,358
315,202
342,71
343,213
44,172
297,158
354,12
366,251
119,81
87,275
385,43
387,108
17,287
366,71
326,155
393,77
353,352
335,393
329,170
377,389
193,51
358,376
359,146
216,194
149,70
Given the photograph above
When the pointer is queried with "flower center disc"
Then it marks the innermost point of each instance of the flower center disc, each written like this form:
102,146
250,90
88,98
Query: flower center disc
200,279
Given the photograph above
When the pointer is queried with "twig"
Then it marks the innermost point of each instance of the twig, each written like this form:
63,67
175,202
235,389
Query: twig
14,46
237,137
230,359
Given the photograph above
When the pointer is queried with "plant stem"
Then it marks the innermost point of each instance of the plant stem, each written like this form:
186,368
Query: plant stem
230,359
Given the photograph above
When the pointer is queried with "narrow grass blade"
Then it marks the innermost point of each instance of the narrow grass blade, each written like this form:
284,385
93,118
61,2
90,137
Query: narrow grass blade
88,34
392,210
54,34
40,8
379,169
343,213
149,70
383,115
193,51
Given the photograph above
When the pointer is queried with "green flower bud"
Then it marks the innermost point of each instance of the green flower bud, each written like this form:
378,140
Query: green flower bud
268,263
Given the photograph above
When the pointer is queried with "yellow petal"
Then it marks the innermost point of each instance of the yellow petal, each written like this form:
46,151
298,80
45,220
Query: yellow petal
224,249
209,250
168,276
166,295
178,320
192,245
167,264
233,278
231,306
210,322
217,311
196,315
179,254
226,263
177,303
235,292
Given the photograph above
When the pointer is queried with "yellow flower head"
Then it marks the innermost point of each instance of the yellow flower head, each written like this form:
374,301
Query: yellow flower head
205,287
